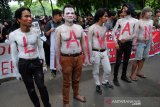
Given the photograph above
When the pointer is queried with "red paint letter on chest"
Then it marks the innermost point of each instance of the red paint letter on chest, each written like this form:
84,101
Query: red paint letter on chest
72,35
26,50
126,29
146,31
100,40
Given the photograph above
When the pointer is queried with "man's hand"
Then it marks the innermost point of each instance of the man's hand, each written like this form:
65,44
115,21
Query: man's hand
59,68
18,76
117,46
134,47
152,45
52,29
92,59
123,40
44,69
86,62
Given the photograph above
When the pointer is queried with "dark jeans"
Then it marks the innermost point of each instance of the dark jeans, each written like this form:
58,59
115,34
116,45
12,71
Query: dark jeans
32,71
124,48
47,52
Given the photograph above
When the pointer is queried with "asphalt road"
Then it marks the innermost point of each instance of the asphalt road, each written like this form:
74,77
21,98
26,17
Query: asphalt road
143,93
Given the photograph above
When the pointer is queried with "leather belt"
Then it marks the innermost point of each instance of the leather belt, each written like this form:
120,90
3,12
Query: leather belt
29,59
71,55
99,50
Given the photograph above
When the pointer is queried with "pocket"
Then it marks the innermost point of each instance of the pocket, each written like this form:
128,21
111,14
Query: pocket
21,63
37,63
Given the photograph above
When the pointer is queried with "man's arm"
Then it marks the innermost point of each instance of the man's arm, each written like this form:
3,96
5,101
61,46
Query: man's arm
57,49
41,50
48,29
90,41
151,36
135,30
113,34
136,33
14,54
84,47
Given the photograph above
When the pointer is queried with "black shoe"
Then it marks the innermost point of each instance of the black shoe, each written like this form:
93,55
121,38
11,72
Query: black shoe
116,83
125,79
108,85
98,89
53,74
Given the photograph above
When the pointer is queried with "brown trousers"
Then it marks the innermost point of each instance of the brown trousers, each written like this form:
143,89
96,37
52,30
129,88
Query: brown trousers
71,69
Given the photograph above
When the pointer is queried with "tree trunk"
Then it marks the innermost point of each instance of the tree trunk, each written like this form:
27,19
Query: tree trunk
51,5
42,7
144,2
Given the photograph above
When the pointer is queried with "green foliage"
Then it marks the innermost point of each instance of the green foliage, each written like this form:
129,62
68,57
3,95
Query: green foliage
81,6
36,8
85,6
155,4
5,11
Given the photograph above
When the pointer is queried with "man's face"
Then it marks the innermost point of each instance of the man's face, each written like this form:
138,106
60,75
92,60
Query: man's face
58,17
148,15
25,19
158,14
69,14
124,10
104,17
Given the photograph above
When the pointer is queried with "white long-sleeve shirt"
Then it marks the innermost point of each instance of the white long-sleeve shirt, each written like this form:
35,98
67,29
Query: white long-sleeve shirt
127,28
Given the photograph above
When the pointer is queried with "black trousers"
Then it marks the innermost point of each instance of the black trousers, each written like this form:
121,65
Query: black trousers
125,50
32,71
46,47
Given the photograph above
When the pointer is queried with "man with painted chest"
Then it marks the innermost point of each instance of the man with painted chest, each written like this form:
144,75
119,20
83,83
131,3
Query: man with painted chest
69,46
29,61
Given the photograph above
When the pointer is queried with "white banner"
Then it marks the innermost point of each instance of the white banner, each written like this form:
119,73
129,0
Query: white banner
6,65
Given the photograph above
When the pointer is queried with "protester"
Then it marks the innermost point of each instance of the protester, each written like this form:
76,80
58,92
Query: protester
157,19
124,43
49,45
143,36
70,44
29,60
98,49
111,20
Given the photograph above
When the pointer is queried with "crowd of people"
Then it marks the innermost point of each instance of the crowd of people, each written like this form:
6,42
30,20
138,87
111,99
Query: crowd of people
65,44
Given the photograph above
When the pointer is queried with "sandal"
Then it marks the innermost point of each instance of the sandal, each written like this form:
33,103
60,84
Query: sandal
80,98
141,76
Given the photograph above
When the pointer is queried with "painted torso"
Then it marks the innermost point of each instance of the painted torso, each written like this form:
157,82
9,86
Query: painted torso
145,29
26,43
98,36
70,38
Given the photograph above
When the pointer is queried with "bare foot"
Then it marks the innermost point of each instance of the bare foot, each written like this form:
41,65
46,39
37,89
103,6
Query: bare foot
80,98
66,105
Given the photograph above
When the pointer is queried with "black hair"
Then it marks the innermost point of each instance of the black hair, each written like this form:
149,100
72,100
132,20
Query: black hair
157,11
99,13
67,6
18,12
56,12
130,10
112,13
